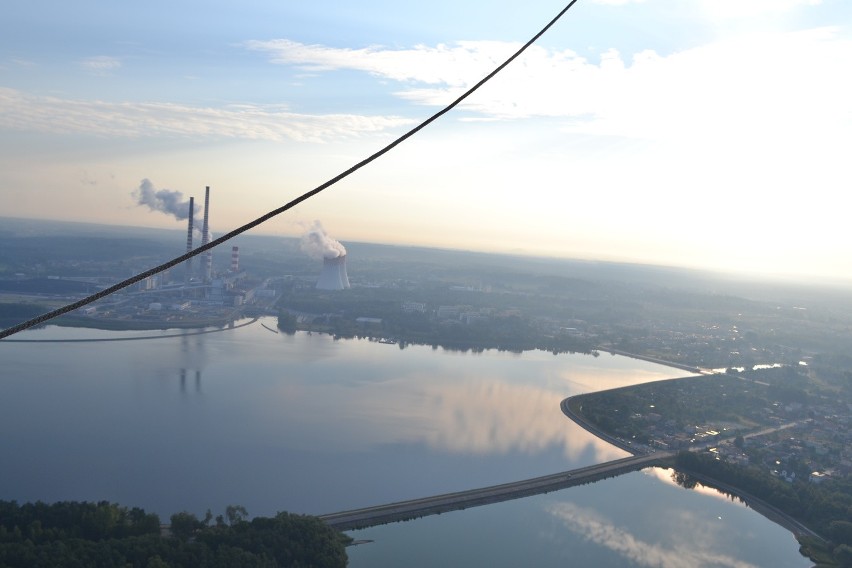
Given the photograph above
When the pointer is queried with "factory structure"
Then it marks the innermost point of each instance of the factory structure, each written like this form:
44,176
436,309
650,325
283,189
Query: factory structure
200,285
197,295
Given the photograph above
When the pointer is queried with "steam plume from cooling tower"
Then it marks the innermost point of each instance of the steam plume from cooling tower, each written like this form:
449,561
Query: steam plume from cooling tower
166,201
318,244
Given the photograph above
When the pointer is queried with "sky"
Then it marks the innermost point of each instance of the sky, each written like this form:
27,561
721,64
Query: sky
700,133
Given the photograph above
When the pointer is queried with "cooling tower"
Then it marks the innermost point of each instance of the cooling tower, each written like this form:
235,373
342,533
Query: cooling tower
333,275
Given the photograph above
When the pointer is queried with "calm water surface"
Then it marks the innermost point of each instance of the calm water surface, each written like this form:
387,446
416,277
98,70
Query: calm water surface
311,425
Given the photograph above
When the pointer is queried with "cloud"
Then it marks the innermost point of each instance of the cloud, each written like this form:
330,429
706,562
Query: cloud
738,9
594,528
732,9
20,111
453,65
100,64
20,62
750,86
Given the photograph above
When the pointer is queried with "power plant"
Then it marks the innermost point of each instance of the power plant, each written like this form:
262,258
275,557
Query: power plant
203,288
200,285
333,276
202,295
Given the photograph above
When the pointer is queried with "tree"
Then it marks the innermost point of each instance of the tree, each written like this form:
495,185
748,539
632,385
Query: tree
184,525
235,514
841,532
287,322
156,562
843,555
103,534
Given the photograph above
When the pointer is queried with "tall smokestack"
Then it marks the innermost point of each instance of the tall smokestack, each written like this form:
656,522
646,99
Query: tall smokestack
205,237
235,259
189,238
333,276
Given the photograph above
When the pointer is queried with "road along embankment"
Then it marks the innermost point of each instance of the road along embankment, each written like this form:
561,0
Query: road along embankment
572,408
415,508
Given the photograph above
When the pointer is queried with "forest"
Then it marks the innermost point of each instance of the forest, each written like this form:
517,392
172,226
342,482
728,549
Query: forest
105,535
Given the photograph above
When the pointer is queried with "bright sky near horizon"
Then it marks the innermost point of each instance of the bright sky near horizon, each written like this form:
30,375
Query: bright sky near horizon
702,133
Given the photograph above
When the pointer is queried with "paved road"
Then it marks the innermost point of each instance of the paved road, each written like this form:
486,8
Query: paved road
404,510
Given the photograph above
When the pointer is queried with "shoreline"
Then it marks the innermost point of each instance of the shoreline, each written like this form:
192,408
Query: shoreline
681,366
132,338
572,408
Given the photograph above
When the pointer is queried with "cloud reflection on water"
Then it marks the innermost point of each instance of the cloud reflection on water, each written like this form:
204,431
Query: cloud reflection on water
464,413
665,475
361,395
684,548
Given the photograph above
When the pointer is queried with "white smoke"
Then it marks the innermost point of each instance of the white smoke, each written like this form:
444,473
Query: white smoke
318,244
163,200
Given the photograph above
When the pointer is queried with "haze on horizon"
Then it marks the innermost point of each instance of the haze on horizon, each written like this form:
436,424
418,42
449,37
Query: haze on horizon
709,133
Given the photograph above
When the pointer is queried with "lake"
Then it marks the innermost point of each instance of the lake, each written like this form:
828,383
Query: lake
308,424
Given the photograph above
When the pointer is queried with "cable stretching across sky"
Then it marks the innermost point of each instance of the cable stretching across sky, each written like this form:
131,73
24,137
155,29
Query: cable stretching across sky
307,195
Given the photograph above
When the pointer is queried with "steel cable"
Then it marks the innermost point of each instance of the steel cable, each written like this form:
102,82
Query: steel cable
307,195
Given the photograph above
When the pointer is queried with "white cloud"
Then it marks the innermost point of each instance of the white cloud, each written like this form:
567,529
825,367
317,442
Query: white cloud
750,86
737,9
100,64
20,62
19,111
454,65
591,526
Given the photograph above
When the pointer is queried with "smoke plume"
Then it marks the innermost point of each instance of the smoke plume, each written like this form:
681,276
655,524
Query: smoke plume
163,200
318,244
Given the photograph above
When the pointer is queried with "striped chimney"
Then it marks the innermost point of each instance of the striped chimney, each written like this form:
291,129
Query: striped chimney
235,259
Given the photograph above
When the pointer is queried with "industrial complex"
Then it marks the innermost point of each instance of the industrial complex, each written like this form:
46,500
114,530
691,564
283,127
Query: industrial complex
200,292
196,296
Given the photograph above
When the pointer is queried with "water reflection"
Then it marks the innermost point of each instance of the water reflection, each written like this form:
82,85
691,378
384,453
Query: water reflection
696,543
312,425
482,417
183,374
492,404
672,477
464,413
624,522
302,422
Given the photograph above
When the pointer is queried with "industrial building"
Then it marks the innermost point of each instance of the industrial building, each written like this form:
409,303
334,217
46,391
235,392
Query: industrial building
201,285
